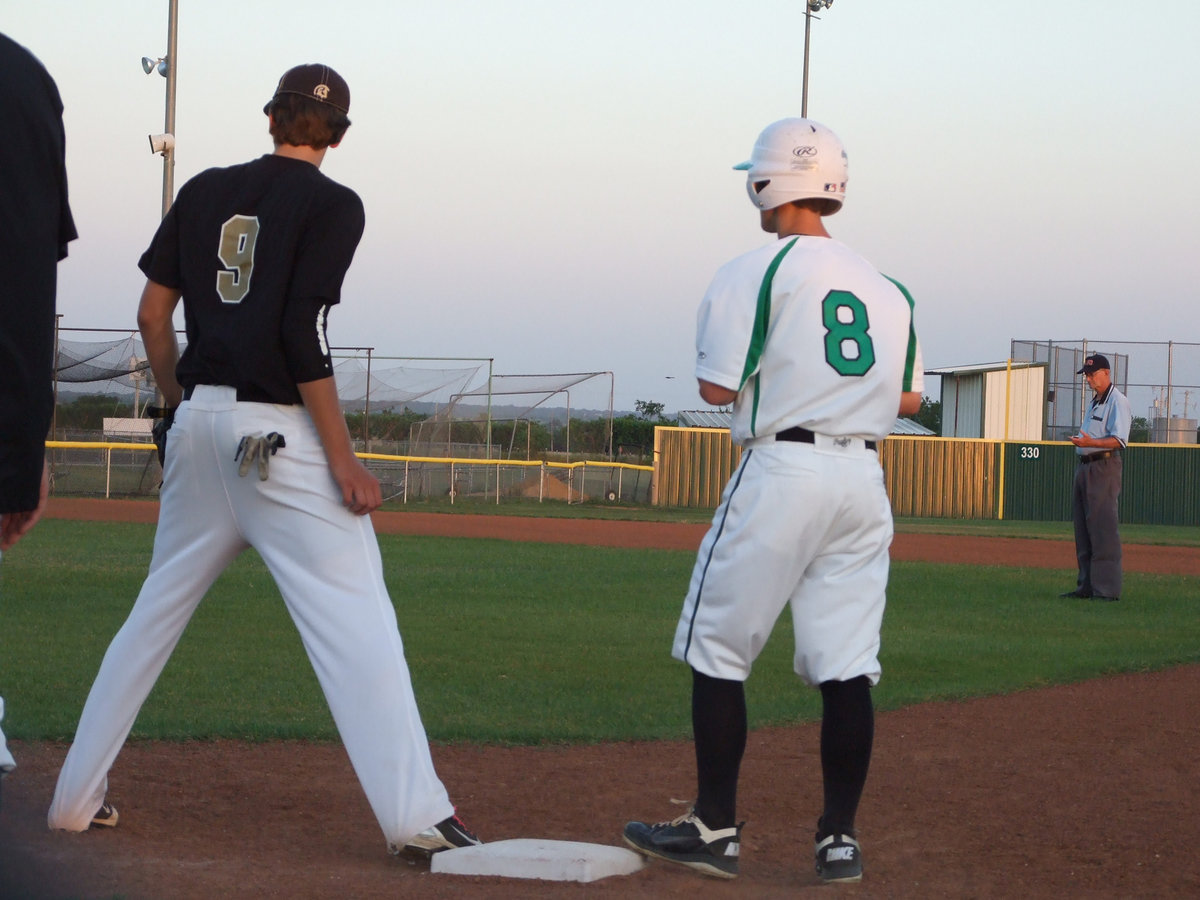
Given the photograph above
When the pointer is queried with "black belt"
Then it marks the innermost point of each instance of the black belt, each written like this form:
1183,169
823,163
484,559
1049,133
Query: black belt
243,396
1092,457
799,435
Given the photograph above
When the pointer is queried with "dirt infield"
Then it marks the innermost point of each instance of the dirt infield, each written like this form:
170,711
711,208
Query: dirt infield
1087,790
1042,554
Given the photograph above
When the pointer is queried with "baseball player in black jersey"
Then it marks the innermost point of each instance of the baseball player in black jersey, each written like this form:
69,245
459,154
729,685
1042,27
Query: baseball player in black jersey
258,455
35,227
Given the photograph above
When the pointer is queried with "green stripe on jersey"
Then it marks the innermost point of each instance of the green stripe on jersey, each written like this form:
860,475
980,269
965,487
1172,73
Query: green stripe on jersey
910,357
758,334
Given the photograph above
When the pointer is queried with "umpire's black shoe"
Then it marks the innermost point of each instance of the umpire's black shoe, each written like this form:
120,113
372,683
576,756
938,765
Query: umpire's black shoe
839,859
447,834
1077,594
689,842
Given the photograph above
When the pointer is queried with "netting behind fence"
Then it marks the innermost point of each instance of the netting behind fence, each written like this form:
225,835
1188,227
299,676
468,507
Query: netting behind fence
118,366
460,398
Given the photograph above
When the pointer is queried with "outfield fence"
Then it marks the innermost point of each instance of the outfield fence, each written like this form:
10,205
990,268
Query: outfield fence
958,478
954,478
115,469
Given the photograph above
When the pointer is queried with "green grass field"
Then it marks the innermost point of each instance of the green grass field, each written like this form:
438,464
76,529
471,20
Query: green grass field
537,643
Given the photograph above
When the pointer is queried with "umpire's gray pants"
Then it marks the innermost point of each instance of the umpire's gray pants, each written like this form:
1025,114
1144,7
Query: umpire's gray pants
1097,537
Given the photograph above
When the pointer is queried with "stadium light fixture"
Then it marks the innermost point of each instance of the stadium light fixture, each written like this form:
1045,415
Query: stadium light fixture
149,65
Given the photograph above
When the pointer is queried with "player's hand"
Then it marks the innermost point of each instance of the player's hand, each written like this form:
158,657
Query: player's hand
14,525
360,489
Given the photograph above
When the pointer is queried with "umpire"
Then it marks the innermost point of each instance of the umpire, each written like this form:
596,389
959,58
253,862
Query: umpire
1104,432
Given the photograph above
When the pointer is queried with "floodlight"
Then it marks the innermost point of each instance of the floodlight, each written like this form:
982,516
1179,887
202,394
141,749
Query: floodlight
149,64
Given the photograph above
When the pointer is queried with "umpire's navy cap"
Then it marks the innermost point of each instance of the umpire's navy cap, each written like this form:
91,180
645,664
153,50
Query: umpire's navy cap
317,81
1094,363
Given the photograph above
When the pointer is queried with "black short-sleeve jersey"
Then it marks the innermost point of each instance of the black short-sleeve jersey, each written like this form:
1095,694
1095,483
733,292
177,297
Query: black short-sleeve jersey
259,252
35,228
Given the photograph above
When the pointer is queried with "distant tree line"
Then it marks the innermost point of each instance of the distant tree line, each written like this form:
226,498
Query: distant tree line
88,412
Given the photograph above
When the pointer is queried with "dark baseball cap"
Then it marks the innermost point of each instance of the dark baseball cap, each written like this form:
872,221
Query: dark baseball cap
317,81
1094,363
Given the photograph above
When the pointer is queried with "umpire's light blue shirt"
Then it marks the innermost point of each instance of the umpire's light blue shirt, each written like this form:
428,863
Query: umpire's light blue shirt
1108,416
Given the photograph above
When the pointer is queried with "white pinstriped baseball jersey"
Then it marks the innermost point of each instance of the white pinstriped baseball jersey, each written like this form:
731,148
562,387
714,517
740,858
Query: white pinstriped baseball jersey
851,346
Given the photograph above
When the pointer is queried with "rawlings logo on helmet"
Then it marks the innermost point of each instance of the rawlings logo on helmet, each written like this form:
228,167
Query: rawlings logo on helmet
806,151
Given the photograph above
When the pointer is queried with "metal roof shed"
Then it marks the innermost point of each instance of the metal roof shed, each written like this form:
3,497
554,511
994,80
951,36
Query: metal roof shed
995,401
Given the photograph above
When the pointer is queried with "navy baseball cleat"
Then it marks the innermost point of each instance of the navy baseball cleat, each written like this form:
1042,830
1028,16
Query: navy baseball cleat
447,834
689,842
839,859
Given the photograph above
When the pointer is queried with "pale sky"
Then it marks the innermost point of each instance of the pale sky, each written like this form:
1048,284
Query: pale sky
549,183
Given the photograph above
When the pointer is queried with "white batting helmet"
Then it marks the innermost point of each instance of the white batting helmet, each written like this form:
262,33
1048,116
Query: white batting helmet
796,159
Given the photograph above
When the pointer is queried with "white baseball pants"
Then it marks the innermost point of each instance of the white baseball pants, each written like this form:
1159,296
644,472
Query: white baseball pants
326,563
798,524
7,763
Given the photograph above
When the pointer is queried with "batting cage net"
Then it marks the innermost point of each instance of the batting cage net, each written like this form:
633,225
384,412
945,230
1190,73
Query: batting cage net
114,367
1161,380
514,402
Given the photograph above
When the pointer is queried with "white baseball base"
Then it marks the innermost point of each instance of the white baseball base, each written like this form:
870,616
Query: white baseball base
533,858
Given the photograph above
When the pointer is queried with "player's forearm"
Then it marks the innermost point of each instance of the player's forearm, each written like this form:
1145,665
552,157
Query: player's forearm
321,400
157,326
360,489
910,403
14,525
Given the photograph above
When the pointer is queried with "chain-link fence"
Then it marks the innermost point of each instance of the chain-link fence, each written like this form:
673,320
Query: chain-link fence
126,470
1161,380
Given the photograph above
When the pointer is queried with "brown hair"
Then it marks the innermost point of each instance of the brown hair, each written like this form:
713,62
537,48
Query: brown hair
825,206
304,122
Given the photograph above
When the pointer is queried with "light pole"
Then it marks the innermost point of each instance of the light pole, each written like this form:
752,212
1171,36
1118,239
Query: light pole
810,7
164,143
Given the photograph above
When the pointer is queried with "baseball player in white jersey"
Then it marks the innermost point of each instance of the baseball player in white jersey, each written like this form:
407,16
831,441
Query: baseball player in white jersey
259,456
817,353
